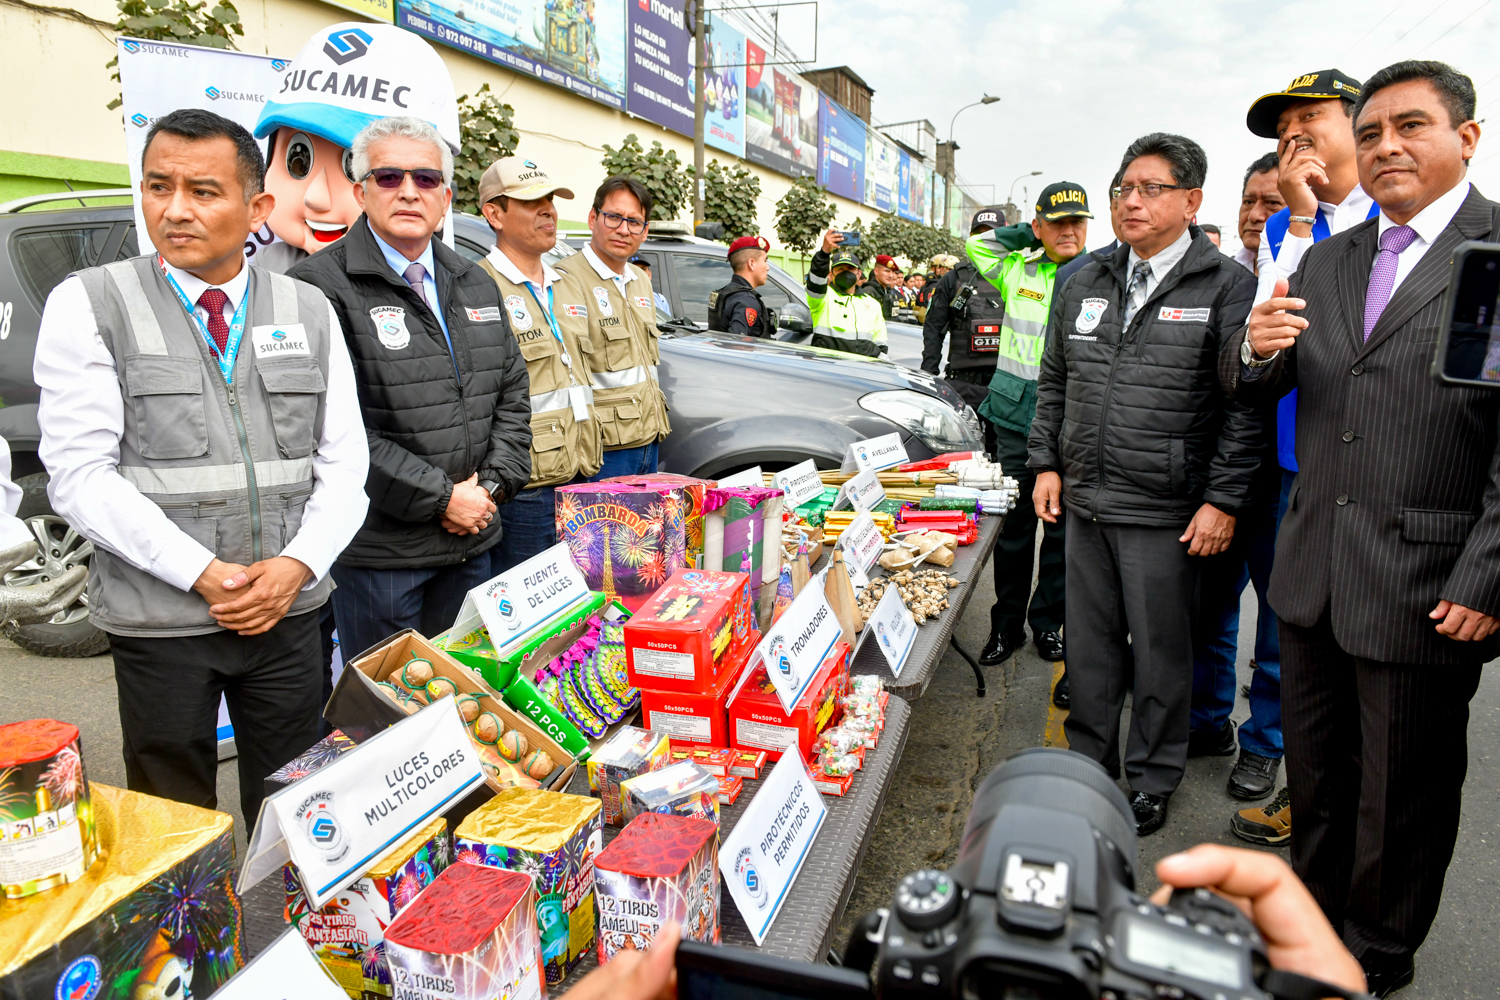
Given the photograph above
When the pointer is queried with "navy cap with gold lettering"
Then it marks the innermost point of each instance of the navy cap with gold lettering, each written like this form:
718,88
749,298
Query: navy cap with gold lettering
1323,85
1063,200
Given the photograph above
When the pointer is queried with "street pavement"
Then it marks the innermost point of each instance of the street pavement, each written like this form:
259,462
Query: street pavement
955,740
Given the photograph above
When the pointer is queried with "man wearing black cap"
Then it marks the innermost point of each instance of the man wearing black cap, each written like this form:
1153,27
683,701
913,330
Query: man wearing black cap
843,319
737,307
995,346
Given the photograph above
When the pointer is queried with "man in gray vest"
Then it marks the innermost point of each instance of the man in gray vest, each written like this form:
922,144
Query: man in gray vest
200,425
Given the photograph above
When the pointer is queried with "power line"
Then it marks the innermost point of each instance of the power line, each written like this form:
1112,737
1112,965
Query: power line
1450,31
1414,27
1399,5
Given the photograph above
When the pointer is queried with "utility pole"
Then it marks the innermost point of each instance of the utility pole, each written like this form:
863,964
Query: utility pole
699,56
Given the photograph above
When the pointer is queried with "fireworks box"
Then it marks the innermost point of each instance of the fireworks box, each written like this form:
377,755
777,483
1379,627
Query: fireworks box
470,935
625,539
47,835
348,934
159,904
554,838
714,760
693,492
630,752
747,763
756,719
829,784
742,533
360,709
690,717
682,789
690,630
659,869
729,789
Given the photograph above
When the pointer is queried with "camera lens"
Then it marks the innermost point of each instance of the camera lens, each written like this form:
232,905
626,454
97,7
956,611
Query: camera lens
1489,265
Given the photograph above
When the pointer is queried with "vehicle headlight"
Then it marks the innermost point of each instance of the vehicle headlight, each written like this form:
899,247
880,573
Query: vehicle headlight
936,424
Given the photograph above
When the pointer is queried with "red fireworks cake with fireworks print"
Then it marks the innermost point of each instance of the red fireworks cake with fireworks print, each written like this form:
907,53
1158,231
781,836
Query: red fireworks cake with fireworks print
470,935
47,835
625,539
689,631
659,869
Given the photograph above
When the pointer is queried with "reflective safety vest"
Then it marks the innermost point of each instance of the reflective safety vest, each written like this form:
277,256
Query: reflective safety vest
1025,278
857,318
562,446
623,350
229,463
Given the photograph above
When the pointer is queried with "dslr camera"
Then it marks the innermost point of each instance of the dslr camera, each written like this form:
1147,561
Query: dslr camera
1041,905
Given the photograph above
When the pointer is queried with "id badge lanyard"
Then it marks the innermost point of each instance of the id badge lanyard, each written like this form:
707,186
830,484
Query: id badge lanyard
578,396
236,327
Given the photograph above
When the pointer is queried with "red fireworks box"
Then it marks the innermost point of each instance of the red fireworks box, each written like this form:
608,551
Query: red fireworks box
470,935
747,763
659,869
689,631
714,760
691,717
729,789
756,720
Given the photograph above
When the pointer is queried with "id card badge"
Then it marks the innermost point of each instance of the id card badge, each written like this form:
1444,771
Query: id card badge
579,397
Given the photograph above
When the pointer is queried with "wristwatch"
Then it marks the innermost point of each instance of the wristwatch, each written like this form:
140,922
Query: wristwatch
490,487
1311,220
1248,356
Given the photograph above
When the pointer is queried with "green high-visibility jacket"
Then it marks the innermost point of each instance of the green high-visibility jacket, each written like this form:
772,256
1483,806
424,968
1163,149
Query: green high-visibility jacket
1025,278
853,323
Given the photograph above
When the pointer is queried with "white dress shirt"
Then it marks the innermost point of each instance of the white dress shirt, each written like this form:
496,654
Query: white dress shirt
13,530
82,416
1247,258
1162,263
608,273
510,272
1428,223
1354,209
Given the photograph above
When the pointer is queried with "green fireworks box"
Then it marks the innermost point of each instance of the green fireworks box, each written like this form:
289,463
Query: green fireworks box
662,867
159,905
470,935
554,838
348,933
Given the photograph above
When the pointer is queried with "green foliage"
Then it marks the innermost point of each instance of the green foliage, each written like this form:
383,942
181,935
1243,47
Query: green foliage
659,170
729,198
802,214
487,133
901,238
175,21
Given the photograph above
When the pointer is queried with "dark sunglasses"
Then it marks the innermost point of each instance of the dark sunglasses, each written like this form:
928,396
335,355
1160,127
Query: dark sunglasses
392,177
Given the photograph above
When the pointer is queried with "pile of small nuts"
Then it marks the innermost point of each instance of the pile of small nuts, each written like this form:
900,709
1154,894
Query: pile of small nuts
925,592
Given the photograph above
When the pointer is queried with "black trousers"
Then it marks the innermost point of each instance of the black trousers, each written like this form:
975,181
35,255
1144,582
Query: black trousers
1376,755
1137,583
1015,553
169,707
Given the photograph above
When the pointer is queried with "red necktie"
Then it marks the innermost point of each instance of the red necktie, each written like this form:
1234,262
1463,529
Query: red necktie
214,300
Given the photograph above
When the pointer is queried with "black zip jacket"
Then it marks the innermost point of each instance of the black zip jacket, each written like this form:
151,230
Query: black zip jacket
1135,420
432,420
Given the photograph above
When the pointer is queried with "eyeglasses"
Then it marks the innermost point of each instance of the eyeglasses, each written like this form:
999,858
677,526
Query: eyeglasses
393,177
1146,190
613,220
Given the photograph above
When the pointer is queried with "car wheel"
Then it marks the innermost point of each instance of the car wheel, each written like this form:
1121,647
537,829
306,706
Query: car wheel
69,633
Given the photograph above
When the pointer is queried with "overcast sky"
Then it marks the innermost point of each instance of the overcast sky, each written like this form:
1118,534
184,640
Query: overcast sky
1080,79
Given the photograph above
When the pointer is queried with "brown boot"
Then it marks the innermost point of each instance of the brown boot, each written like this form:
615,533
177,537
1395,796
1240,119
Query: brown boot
1267,824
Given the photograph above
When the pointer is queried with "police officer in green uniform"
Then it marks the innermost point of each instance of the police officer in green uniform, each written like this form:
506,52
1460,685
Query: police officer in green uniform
842,318
1024,279
737,307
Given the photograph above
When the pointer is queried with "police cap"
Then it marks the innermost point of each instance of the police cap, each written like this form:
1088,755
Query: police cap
1063,200
992,217
749,243
1325,84
843,258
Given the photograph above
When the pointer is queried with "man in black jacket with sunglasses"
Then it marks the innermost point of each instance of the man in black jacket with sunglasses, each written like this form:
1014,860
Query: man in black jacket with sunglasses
442,386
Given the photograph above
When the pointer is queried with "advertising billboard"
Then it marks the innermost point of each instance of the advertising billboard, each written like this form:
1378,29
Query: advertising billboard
781,123
723,87
882,168
375,10
578,45
912,202
661,69
841,141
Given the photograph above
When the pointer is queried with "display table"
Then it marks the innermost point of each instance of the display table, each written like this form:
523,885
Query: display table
808,920
934,637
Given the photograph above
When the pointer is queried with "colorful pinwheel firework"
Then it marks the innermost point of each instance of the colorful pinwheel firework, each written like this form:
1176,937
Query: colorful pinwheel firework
654,569
64,778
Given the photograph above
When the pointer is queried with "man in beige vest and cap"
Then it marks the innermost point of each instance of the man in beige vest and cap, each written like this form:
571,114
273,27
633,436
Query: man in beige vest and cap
200,424
516,197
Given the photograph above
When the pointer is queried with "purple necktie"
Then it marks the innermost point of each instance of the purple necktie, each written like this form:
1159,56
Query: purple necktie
416,272
1383,274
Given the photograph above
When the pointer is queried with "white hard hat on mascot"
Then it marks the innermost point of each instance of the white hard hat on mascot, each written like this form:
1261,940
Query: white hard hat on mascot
345,77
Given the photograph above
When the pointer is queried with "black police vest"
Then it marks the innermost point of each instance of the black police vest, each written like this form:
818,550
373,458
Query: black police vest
974,331
716,319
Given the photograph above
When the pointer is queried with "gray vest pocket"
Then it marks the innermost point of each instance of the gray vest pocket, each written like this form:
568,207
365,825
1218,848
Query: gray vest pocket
166,394
294,387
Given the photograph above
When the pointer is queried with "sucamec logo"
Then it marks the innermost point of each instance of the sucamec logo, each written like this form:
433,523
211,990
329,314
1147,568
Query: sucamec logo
347,45
213,93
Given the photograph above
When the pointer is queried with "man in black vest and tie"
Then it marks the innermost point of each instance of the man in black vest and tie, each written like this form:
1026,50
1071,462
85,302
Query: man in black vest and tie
1387,576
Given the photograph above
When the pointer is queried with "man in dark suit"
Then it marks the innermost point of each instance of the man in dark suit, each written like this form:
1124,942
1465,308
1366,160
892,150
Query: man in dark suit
1387,577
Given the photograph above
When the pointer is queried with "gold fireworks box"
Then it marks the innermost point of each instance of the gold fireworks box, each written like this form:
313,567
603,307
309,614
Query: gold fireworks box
554,838
348,933
159,905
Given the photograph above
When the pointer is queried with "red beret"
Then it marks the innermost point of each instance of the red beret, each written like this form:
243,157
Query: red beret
750,243
886,260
